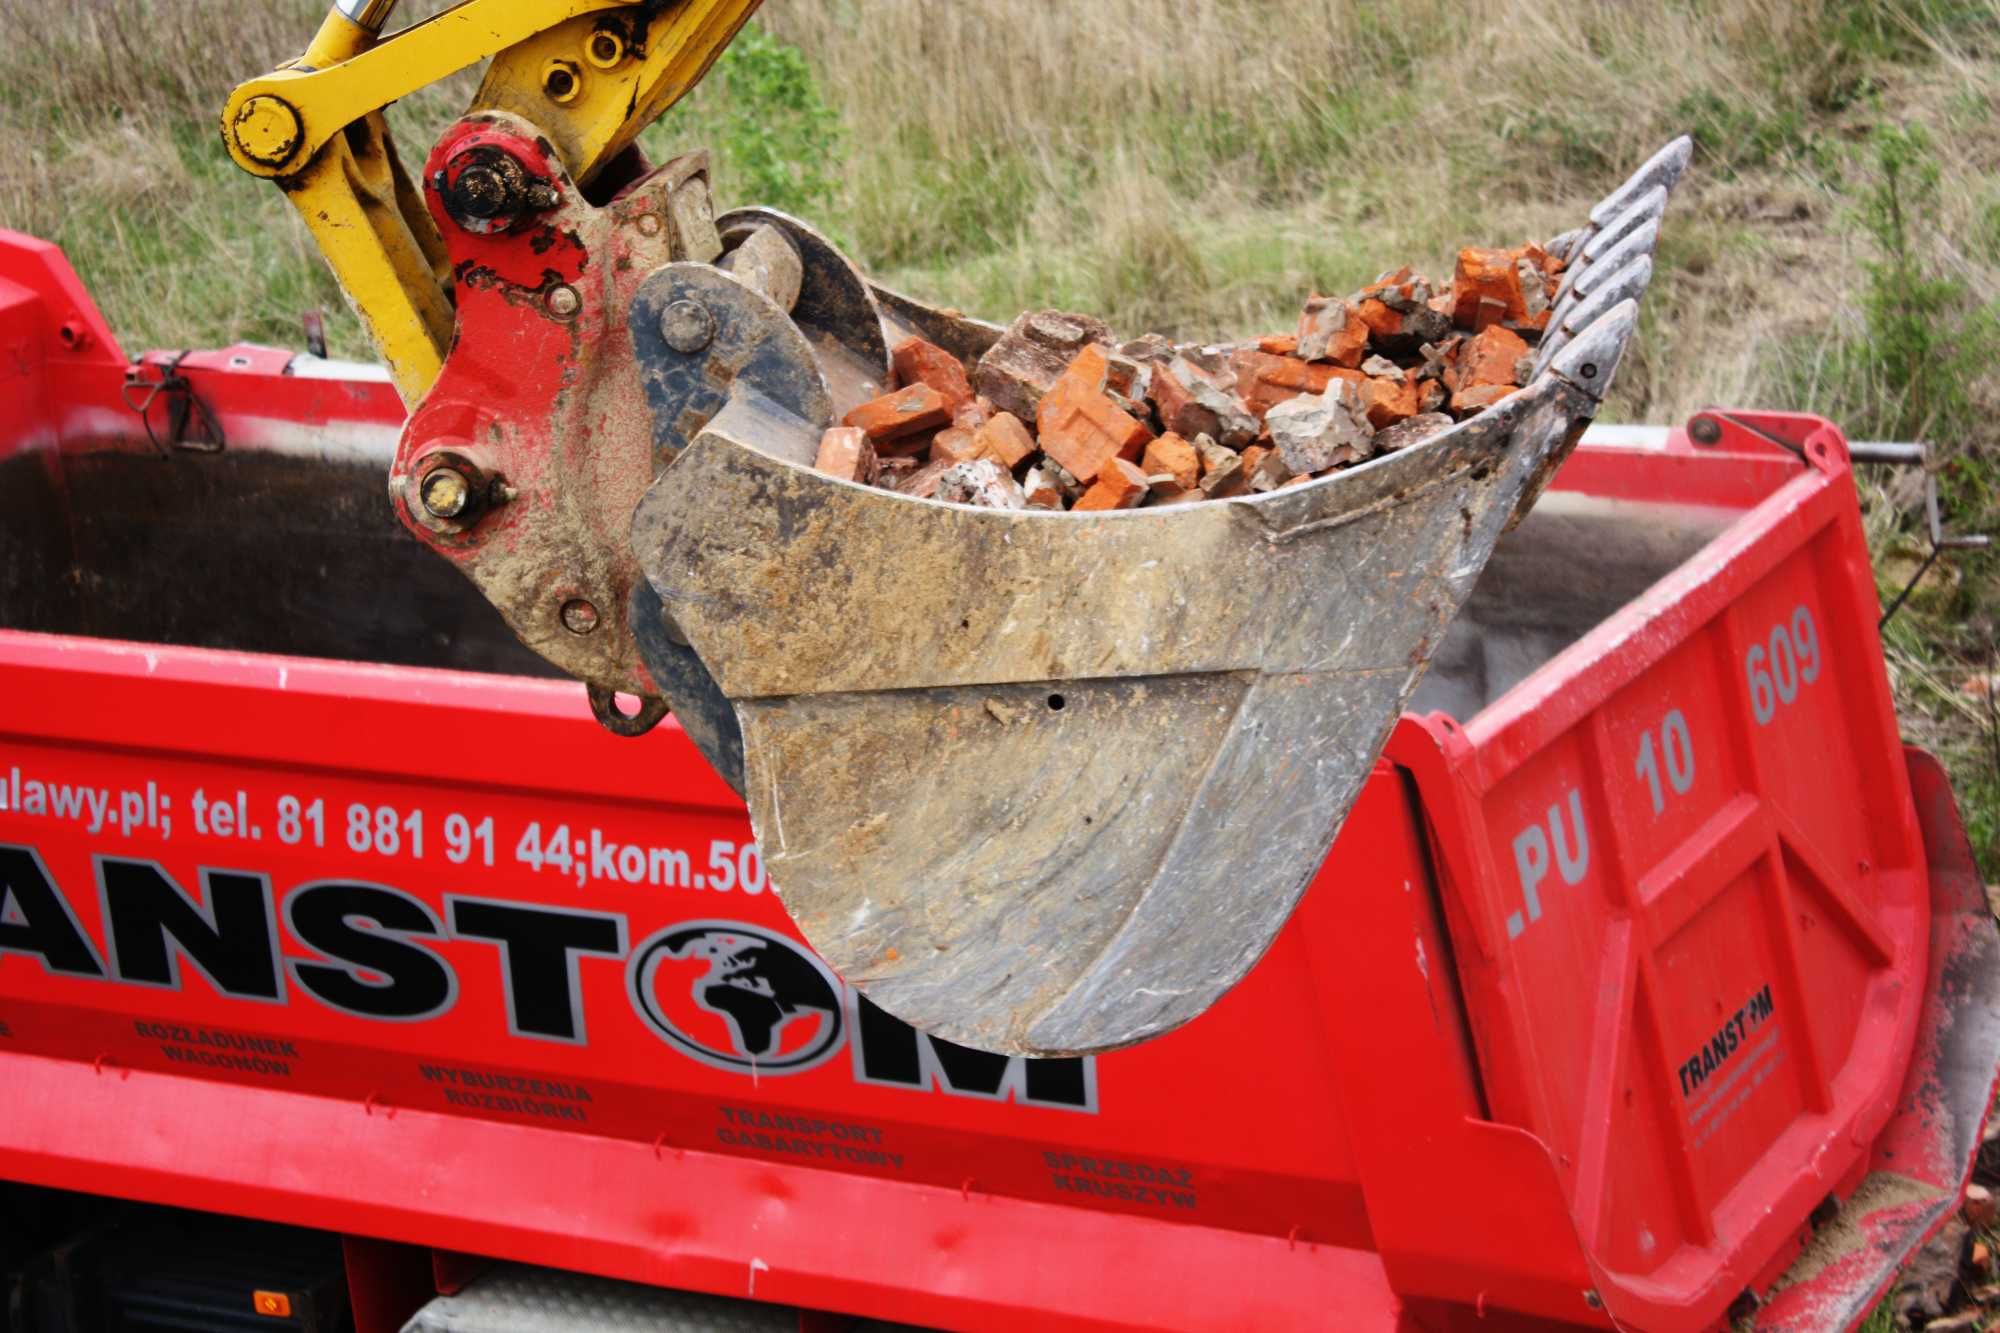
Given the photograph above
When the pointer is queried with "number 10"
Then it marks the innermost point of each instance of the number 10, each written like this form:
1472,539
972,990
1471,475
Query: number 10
1678,747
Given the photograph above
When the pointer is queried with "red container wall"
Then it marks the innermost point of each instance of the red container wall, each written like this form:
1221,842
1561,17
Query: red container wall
1691,900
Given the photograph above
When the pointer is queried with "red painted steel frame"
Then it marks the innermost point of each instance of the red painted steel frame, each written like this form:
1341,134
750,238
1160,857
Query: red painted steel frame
1413,1114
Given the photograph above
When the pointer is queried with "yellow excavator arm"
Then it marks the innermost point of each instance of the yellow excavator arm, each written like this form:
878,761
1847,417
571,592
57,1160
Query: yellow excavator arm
589,74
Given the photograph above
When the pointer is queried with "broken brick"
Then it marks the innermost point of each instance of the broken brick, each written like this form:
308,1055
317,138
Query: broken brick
1005,440
1322,431
1397,308
1539,257
1481,396
1063,332
1041,490
1492,357
1031,356
1402,290
1079,425
1193,400
1172,401
981,482
900,414
1173,456
1267,470
1486,282
1382,322
1534,288
1263,381
1119,486
1332,330
920,362
1052,400
1221,469
955,445
1126,378
1388,401
845,452
923,483
972,415
1152,348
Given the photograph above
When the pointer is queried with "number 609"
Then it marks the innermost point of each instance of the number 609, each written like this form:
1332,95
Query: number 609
1777,668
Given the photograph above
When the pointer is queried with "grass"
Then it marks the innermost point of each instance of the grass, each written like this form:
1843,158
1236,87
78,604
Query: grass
1193,166
1882,1319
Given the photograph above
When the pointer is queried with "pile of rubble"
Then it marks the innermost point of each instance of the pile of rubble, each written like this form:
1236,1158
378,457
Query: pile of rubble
1054,416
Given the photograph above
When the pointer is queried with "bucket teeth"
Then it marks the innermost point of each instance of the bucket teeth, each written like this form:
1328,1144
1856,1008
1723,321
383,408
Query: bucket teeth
1627,284
1590,360
1664,169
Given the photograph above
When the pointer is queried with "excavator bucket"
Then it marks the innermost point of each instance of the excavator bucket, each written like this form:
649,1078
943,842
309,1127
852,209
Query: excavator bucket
1049,783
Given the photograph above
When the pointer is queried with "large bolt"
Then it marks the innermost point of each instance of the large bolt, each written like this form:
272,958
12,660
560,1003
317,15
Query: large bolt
563,302
487,189
687,326
446,493
482,191
267,129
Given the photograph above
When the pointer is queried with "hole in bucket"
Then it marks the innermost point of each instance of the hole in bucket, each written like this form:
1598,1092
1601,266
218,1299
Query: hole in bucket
1057,703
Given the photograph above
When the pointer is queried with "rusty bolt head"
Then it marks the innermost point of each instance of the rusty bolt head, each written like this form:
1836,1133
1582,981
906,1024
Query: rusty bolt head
579,617
446,493
1705,429
563,302
484,191
650,224
687,326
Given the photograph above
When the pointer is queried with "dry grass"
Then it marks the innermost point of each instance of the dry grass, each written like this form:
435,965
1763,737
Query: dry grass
1190,166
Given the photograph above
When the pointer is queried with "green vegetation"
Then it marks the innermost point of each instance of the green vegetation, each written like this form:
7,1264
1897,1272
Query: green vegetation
1882,1319
774,138
1195,166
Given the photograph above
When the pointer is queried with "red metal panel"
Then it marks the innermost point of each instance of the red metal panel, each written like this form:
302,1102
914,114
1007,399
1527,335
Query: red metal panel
698,1220
1689,890
49,328
136,739
1920,1162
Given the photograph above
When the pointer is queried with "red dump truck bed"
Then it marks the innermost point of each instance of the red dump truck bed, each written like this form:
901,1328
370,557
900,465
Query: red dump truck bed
1650,983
